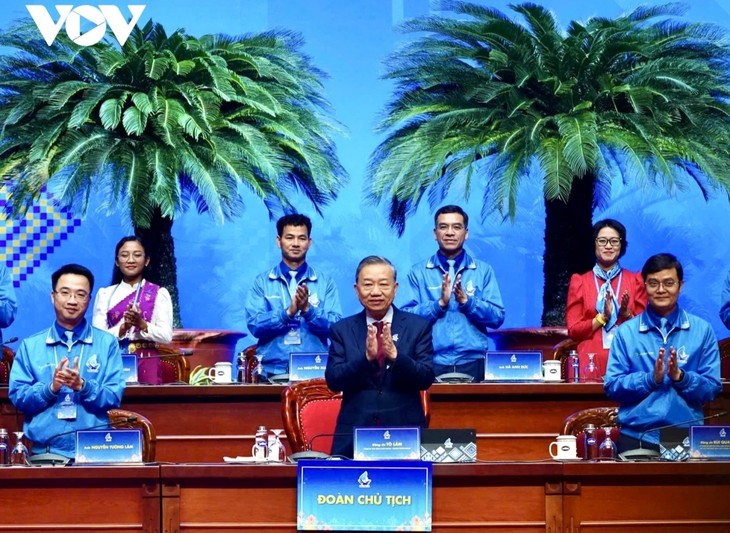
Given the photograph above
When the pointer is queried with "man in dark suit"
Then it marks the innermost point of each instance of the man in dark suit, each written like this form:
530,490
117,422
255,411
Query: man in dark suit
380,358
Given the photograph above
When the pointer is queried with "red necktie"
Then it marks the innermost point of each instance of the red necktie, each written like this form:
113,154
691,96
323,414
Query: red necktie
381,351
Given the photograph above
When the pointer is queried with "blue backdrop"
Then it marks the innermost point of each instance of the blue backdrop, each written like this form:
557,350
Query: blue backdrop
350,40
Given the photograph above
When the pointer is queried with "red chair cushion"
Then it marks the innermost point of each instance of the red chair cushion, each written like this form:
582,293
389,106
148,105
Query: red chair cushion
318,419
168,372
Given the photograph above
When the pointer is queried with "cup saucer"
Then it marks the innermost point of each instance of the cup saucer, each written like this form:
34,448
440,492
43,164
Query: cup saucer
567,459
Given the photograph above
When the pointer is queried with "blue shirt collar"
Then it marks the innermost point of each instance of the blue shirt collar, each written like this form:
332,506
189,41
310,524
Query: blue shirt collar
457,260
281,271
676,319
82,332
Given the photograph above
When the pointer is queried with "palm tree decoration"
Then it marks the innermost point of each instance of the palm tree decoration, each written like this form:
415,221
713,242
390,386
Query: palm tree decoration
163,123
485,99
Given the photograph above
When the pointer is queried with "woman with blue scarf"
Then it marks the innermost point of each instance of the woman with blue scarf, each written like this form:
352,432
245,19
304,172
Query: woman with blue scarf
601,299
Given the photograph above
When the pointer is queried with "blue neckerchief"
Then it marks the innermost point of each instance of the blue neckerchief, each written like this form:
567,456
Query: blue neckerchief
656,319
457,261
599,273
301,270
77,331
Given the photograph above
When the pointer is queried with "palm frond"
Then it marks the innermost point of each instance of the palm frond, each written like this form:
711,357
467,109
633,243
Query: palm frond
166,118
620,95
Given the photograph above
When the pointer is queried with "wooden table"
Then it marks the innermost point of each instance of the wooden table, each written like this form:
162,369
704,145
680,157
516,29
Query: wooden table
497,496
646,497
543,496
80,499
204,423
466,498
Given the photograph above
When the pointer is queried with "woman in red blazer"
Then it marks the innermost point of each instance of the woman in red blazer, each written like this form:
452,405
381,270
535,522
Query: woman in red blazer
603,298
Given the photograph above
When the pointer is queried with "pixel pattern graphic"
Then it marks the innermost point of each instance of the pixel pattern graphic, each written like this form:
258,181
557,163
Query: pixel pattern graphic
27,242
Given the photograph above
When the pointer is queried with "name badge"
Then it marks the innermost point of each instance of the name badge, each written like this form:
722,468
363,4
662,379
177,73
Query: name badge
66,405
608,337
294,335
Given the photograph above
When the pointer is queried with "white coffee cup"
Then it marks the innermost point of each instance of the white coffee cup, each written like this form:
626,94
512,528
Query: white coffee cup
551,370
566,447
220,373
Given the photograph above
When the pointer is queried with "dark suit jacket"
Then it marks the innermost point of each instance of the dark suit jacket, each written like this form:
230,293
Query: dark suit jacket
392,399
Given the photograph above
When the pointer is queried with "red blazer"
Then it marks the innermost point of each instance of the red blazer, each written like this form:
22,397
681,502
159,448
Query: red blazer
581,310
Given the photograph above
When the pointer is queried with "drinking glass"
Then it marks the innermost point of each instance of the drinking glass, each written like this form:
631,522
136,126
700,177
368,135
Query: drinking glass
276,448
258,372
592,372
607,449
19,455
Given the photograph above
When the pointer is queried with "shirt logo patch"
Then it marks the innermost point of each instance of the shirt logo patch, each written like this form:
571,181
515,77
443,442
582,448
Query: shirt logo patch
314,300
92,364
470,289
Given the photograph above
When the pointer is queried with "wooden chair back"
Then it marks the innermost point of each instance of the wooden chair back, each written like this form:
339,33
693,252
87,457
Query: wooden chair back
309,411
174,365
6,364
601,417
560,353
123,419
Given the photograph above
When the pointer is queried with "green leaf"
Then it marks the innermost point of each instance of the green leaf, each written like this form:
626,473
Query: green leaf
134,121
110,113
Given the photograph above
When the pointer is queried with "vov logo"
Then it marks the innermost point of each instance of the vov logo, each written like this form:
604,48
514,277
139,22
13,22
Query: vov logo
99,17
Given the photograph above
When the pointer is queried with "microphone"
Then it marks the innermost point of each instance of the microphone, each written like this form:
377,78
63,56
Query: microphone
309,453
185,353
48,458
641,454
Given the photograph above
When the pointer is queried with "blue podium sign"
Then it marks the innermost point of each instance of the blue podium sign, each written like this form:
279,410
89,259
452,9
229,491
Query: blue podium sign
513,366
109,446
307,365
709,442
386,443
364,495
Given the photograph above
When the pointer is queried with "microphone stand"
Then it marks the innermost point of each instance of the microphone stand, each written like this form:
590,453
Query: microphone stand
643,454
56,459
309,453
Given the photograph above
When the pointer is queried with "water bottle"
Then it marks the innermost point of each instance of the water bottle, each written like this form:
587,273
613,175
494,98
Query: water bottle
4,445
261,444
591,446
575,365
242,374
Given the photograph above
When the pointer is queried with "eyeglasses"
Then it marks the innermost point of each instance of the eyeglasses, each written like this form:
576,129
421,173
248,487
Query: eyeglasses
80,296
655,283
603,241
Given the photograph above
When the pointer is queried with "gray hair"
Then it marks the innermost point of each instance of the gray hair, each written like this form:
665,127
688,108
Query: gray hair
375,260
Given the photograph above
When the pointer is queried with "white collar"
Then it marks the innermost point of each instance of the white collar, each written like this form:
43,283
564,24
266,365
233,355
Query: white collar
387,318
